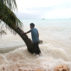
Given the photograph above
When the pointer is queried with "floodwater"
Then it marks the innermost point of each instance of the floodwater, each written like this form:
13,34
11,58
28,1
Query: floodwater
56,48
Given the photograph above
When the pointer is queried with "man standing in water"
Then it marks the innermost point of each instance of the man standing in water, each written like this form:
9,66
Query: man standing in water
35,38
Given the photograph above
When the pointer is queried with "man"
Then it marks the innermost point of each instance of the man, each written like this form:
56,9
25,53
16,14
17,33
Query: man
35,38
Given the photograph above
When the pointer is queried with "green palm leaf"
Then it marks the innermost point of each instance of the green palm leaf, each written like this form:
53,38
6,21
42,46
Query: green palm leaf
10,3
7,15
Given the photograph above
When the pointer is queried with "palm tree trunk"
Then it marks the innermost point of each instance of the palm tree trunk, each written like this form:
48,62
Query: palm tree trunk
28,42
9,18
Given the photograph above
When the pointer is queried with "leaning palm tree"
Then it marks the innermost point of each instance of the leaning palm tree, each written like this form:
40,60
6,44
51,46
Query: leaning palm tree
7,16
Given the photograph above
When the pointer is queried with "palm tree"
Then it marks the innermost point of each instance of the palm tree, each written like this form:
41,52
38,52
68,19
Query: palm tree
7,16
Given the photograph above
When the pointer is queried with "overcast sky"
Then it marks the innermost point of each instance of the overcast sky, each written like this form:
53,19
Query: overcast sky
49,9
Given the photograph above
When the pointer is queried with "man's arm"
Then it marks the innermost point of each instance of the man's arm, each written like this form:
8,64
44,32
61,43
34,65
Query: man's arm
28,32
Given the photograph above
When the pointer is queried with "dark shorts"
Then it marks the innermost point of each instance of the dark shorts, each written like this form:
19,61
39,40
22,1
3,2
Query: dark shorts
36,48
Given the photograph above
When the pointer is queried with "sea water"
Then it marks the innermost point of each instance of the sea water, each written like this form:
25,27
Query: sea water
55,49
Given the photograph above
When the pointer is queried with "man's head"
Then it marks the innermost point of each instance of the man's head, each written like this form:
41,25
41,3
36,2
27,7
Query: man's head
32,25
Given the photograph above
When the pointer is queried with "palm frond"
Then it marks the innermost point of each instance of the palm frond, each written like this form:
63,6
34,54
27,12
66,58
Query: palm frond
9,17
9,3
6,14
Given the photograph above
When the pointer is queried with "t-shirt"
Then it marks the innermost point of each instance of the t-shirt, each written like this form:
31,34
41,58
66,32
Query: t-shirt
35,35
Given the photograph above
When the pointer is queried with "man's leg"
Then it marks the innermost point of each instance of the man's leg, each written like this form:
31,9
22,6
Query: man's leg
36,48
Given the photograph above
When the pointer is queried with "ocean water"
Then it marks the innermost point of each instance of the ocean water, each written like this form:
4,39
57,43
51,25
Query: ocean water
56,47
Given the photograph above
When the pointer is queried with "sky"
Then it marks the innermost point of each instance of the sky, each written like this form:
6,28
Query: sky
48,9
